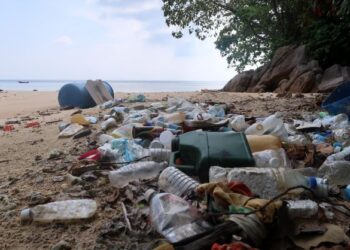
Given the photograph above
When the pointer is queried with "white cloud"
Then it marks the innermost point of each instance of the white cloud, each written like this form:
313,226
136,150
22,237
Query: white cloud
64,40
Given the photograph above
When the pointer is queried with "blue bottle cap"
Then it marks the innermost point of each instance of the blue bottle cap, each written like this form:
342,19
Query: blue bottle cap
312,182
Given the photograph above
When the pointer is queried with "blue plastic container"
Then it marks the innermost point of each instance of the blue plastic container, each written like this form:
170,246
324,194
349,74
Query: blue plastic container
339,100
75,95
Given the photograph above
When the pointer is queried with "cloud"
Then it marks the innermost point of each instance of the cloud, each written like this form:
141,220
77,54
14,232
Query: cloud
63,40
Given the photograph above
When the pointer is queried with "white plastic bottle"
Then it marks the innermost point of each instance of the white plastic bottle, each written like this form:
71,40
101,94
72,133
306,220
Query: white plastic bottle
160,154
109,123
238,123
136,171
174,181
174,217
60,211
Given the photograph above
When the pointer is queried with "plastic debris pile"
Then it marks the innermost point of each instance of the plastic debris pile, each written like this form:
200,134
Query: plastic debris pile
200,177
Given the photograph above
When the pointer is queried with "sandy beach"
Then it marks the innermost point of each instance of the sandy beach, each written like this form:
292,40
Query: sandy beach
25,170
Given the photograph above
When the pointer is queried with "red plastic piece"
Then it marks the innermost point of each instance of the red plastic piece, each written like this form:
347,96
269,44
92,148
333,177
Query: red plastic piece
240,188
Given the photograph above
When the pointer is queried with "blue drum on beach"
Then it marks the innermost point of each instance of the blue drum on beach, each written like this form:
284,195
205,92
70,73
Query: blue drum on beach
75,95
339,100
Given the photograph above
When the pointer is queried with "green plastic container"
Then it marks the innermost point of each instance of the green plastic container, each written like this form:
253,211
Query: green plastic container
199,150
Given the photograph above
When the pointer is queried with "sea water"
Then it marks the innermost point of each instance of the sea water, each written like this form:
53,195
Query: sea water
118,86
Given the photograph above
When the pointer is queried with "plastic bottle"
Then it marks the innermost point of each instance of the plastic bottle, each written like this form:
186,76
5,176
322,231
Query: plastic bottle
174,217
109,123
165,138
302,209
340,155
156,144
79,119
60,211
263,142
269,182
160,154
297,140
238,123
341,135
174,181
255,129
136,171
337,172
70,130
274,125
335,122
271,158
103,138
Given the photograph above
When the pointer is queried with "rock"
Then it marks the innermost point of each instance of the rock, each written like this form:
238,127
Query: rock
55,154
73,179
58,178
282,86
61,245
83,169
39,179
304,83
283,62
90,177
36,198
240,82
333,77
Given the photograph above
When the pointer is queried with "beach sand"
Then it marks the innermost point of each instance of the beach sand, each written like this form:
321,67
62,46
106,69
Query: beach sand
24,168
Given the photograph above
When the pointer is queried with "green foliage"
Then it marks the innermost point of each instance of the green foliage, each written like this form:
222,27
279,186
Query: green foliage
249,31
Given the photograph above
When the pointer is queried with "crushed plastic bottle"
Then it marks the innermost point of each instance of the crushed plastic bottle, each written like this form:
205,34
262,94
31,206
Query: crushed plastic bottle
342,135
342,155
272,158
136,171
272,125
60,211
174,181
336,172
297,140
127,150
217,111
174,217
269,182
238,123
79,119
336,122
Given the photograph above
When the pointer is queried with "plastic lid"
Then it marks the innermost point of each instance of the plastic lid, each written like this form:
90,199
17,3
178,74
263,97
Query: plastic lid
149,193
259,126
26,215
312,182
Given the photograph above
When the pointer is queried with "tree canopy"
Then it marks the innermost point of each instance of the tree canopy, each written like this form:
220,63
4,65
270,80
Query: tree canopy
248,32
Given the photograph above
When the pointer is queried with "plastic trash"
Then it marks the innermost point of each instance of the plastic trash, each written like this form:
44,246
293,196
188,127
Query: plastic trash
302,209
336,172
146,132
60,211
263,142
109,123
272,158
62,126
110,104
76,95
345,153
174,181
342,135
297,140
166,138
124,131
92,119
124,150
137,98
33,124
217,111
136,171
339,100
336,122
176,117
104,138
156,144
174,217
269,182
160,154
238,123
251,226
71,130
140,116
79,119
272,125
347,193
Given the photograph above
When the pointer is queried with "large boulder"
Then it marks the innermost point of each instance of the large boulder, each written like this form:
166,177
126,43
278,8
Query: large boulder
240,82
333,77
283,62
304,83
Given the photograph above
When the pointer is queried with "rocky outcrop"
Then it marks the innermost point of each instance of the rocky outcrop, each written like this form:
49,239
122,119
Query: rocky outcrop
290,70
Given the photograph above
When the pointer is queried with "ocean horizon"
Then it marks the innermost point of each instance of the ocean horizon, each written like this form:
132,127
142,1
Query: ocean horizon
135,86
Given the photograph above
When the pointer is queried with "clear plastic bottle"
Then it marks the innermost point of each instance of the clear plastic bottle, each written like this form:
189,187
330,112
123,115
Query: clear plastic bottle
302,209
337,172
174,181
136,171
269,182
60,211
274,125
109,123
255,129
174,217
335,122
238,123
342,135
340,155
272,159
160,154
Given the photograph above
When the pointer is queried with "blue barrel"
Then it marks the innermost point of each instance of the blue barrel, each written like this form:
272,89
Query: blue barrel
75,95
339,100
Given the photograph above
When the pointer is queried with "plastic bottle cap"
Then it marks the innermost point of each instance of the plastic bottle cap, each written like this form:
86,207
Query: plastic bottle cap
259,126
26,215
312,182
149,193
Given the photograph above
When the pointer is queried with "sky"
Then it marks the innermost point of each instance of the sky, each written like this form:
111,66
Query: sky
100,39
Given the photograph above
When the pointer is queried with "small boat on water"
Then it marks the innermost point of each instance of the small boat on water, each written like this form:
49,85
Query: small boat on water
23,82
